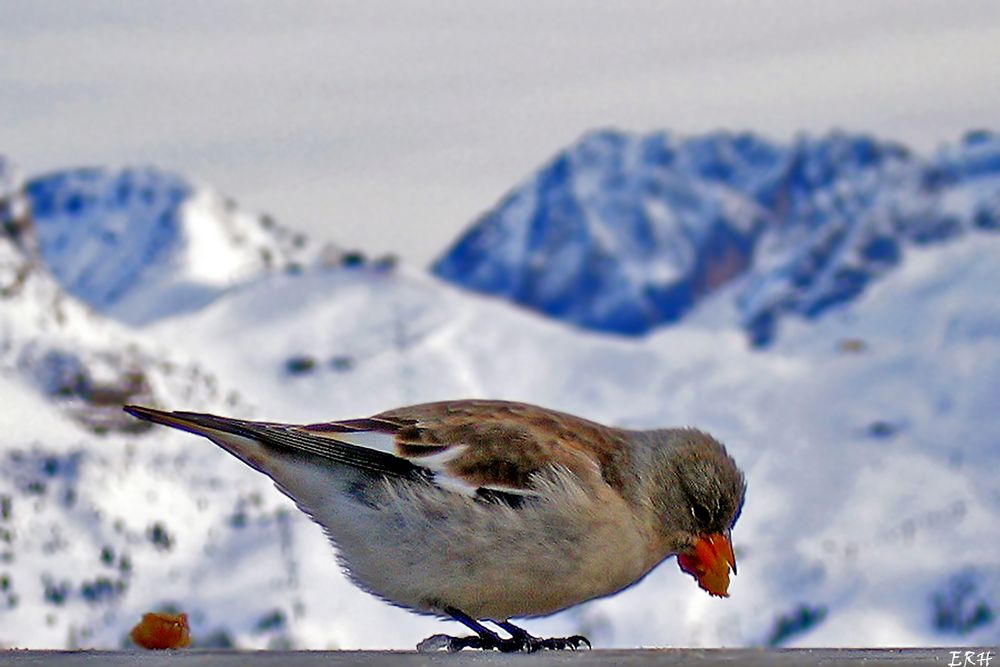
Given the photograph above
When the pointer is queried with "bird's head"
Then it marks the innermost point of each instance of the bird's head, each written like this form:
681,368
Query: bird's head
698,500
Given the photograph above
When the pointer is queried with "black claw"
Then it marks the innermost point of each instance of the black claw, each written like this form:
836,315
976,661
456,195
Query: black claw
458,643
574,643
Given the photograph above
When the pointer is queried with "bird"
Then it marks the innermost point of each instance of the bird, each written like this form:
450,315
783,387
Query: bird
483,511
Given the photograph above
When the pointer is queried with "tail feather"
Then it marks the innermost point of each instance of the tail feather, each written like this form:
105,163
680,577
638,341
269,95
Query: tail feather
192,422
285,437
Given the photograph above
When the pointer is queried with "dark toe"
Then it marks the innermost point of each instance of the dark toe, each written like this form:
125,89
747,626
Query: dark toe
564,643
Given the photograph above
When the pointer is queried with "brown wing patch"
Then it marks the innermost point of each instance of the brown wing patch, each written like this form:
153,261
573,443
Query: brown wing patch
506,443
414,441
415,451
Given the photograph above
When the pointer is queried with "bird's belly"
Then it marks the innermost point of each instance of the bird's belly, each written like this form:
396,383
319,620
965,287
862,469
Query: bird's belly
490,560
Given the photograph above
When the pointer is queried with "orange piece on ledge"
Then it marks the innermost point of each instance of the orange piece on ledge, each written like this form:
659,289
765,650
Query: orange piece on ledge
162,631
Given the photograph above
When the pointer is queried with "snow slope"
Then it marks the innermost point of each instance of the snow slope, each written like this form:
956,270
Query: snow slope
140,244
86,364
86,518
623,232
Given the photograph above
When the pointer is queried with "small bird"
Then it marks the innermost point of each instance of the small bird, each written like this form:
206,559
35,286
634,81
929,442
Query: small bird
484,511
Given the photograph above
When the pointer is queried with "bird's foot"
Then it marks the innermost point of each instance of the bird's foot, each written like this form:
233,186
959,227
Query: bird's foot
521,642
530,643
487,640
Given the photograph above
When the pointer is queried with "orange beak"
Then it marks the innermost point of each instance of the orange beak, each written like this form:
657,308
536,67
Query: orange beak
709,563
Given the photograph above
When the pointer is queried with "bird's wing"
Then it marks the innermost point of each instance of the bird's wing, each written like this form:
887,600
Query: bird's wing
479,448
473,445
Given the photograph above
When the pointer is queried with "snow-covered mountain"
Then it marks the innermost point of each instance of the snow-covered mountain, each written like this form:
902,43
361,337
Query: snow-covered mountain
85,363
625,232
140,244
81,531
868,437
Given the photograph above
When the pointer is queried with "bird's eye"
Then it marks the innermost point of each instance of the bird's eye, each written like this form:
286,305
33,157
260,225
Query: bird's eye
700,514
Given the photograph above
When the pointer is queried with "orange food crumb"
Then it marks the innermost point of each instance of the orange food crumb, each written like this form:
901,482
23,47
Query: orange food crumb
709,563
161,631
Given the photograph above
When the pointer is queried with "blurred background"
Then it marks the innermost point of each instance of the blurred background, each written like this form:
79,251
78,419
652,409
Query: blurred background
777,221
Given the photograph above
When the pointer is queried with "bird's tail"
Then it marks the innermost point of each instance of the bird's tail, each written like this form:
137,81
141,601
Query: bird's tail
256,443
303,465
198,423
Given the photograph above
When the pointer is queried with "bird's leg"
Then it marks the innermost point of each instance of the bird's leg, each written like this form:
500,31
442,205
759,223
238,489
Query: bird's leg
533,643
484,638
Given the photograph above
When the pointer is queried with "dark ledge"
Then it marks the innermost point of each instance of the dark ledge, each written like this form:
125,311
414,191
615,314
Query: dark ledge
939,657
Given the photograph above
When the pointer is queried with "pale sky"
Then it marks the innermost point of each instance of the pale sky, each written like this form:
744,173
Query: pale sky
391,126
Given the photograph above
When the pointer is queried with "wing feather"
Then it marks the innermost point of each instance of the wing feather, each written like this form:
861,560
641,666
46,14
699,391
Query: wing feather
286,436
490,450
